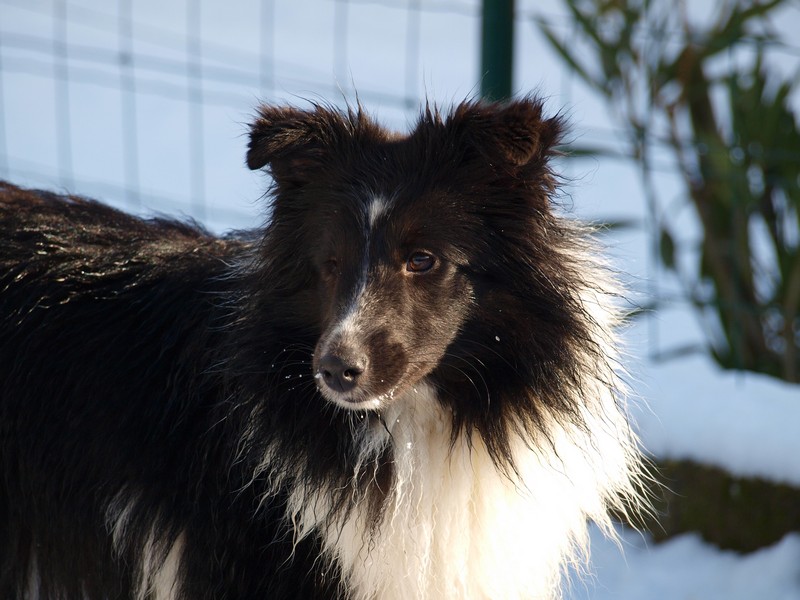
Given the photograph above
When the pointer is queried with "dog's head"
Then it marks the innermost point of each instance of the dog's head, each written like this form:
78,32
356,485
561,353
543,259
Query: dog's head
426,257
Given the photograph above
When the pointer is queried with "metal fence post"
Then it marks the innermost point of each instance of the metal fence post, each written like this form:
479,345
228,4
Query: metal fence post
497,48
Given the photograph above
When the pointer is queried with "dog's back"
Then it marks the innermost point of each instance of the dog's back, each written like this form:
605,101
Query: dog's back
89,301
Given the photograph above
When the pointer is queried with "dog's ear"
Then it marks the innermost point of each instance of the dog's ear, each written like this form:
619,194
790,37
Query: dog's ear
515,133
294,142
282,135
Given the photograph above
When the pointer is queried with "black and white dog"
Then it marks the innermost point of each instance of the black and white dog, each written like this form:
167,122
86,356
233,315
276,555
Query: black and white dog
405,386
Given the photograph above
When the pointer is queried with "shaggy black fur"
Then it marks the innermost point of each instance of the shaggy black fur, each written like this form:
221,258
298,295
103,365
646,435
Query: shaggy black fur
110,386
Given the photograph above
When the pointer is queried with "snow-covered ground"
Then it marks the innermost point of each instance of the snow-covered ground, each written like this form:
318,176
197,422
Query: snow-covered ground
686,568
749,425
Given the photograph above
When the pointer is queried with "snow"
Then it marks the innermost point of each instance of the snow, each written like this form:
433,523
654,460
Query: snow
748,424
686,568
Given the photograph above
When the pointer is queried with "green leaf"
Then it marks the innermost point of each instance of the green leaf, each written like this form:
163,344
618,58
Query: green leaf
619,225
592,152
666,247
573,63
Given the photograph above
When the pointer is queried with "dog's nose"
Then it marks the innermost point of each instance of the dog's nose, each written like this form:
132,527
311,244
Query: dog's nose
340,375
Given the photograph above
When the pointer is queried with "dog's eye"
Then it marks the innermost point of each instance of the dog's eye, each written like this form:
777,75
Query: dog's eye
330,268
420,262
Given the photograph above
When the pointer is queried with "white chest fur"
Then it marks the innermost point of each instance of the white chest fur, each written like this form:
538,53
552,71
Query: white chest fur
456,527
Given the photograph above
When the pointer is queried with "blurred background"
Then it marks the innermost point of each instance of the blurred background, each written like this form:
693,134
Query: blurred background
684,148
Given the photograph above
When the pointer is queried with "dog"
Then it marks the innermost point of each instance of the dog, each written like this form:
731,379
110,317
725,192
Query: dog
406,385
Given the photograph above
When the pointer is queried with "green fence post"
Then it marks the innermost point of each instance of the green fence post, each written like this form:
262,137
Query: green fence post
497,49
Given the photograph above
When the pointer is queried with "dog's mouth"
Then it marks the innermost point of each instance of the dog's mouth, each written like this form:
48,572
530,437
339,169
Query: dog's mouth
359,397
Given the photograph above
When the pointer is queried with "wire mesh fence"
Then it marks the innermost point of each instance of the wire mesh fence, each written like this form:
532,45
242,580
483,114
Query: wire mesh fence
145,104
191,71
